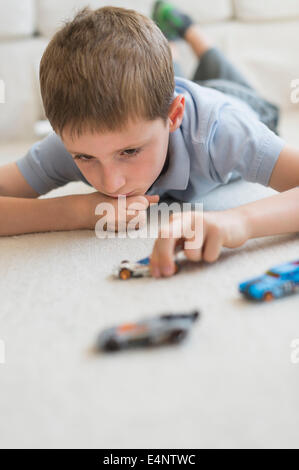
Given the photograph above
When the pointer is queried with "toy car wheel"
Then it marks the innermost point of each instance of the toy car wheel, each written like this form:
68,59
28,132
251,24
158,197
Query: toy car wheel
268,296
177,335
125,274
149,342
112,345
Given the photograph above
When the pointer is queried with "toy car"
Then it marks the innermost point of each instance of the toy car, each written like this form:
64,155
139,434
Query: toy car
279,281
163,329
127,269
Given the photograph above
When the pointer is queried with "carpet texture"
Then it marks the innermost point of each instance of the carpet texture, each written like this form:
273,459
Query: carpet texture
230,384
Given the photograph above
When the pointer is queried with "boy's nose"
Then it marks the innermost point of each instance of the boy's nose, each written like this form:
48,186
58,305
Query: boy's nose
113,182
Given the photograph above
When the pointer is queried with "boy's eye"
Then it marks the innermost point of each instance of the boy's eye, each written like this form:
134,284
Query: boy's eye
83,158
131,152
86,158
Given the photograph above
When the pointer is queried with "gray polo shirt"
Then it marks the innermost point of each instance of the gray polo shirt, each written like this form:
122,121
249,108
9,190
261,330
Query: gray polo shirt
220,139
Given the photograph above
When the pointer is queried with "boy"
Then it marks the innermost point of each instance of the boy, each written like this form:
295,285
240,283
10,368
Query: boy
107,85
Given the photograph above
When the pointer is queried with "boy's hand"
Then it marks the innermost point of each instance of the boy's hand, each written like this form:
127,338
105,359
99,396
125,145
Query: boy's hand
209,231
134,205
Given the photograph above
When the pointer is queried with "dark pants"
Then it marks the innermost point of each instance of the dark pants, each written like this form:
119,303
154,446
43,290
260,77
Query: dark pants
216,71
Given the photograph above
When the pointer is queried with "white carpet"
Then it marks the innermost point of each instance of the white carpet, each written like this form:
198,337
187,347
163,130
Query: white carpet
231,384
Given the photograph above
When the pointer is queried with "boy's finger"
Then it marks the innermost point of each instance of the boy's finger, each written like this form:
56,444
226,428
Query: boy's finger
194,254
153,199
212,247
136,206
139,223
141,202
146,200
137,202
162,258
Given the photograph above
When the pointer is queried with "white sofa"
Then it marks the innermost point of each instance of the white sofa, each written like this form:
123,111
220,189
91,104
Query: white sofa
261,37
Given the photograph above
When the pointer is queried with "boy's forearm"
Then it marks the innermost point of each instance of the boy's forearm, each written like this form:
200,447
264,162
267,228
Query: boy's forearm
23,215
273,215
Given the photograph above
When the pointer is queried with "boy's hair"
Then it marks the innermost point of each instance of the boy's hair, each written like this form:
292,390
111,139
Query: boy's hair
105,68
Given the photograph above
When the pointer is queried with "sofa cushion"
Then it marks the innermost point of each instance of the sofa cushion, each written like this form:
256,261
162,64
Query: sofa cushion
18,70
207,12
50,15
255,10
17,18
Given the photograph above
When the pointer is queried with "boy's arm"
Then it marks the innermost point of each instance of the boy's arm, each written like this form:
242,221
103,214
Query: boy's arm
273,215
21,211
231,228
13,183
285,174
27,215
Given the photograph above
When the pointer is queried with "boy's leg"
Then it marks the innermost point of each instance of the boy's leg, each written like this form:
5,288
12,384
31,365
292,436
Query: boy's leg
172,22
214,69
212,62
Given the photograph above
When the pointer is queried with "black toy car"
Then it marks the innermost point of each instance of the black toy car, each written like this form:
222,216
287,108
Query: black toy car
163,329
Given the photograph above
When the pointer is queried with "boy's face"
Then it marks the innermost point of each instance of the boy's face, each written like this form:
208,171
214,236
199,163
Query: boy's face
127,162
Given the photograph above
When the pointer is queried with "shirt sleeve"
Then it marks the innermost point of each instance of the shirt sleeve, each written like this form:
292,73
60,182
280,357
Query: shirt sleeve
49,165
239,142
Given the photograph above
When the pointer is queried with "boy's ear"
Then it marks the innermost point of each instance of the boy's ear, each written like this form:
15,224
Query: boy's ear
176,112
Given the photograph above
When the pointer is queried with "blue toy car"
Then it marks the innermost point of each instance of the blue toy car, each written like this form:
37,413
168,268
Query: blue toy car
278,282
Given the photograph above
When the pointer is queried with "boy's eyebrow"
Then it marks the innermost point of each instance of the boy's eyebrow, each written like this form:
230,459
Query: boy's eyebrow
128,147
